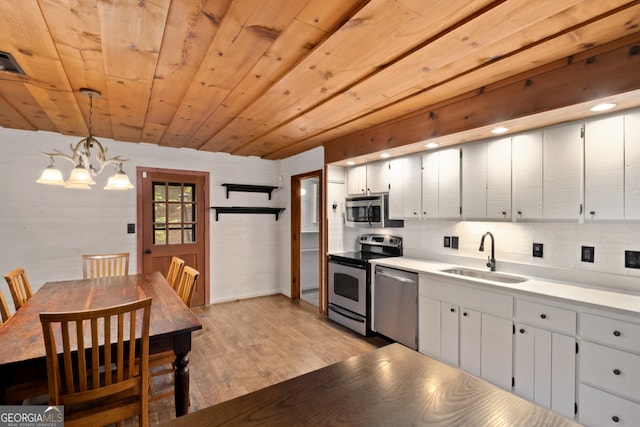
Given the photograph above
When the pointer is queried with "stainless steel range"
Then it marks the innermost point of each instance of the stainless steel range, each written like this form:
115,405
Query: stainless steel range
350,280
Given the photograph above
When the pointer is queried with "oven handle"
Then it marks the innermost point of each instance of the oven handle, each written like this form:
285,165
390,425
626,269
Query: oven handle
345,313
346,264
394,277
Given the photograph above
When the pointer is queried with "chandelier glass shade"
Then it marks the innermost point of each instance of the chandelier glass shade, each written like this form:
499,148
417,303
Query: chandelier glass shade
83,171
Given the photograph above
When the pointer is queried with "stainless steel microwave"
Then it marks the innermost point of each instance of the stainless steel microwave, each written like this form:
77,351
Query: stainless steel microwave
371,211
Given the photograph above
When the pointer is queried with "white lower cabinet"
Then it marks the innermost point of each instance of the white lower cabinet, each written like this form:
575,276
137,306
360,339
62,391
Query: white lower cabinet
465,331
600,409
545,368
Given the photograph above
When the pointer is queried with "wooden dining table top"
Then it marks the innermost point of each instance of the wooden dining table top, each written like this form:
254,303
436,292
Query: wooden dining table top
21,338
389,386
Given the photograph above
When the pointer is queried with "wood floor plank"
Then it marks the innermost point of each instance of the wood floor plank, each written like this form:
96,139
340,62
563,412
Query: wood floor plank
250,344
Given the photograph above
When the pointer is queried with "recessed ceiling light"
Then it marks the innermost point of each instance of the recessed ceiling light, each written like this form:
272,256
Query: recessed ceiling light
431,145
351,163
602,107
499,130
385,155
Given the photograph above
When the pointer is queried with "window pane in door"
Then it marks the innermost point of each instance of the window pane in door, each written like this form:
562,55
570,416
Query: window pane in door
174,192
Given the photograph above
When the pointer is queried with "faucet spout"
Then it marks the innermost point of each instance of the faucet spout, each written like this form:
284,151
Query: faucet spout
491,260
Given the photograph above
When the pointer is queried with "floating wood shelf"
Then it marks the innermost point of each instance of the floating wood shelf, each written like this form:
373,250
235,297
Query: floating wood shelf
248,188
246,210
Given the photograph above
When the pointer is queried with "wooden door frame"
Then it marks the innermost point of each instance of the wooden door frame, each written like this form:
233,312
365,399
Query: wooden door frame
296,221
140,176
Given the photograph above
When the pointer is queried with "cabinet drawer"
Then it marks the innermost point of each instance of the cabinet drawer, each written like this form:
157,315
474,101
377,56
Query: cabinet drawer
597,408
611,369
546,316
469,296
610,331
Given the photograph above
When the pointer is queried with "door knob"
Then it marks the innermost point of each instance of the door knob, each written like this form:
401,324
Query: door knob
147,251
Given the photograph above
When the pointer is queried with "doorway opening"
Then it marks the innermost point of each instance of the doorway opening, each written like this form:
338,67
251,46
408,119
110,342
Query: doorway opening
306,239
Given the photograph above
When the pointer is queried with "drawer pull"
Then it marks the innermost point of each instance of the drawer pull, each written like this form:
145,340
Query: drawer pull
616,333
453,310
522,331
543,316
616,372
615,419
465,314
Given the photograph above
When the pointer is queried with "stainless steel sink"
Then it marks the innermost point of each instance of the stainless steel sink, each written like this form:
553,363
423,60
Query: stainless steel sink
485,275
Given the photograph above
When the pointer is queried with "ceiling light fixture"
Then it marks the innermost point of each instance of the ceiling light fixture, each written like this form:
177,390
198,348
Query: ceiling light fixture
385,155
499,130
432,145
602,107
83,171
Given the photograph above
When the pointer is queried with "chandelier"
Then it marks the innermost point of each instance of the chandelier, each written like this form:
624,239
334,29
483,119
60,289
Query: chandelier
83,171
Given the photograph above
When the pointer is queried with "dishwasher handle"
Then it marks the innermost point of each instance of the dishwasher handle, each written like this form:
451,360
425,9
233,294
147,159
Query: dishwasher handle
386,273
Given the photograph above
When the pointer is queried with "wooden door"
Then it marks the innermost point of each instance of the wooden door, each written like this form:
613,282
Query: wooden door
173,221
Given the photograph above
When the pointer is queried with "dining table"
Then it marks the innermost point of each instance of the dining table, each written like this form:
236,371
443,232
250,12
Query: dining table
22,349
389,386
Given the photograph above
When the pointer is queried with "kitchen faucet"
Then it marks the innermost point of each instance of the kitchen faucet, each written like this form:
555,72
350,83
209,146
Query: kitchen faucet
491,262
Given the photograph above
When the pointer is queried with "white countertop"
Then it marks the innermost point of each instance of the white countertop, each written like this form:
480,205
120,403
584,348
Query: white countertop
571,292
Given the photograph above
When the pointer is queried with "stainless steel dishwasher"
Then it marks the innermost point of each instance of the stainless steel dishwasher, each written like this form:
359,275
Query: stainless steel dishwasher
395,305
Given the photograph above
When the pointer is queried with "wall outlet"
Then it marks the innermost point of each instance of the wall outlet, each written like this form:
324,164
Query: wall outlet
454,242
447,241
631,259
538,249
588,254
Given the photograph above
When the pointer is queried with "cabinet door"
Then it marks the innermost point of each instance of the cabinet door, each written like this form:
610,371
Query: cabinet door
499,179
412,187
562,171
357,179
449,183
526,165
632,166
430,183
396,197
449,335
470,341
524,361
378,177
497,351
604,170
429,326
474,181
563,374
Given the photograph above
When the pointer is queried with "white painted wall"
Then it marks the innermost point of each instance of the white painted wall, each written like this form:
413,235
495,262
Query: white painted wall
46,229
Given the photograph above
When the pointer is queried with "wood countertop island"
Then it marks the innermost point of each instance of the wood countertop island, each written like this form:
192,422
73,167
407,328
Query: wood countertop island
390,386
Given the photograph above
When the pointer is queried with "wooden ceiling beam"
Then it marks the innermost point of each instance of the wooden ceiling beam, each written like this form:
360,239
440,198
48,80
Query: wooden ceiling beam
580,80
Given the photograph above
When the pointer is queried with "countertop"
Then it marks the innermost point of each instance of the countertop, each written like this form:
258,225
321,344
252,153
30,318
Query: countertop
567,291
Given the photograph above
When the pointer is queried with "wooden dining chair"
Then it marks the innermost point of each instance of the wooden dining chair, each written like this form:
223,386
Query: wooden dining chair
161,364
105,265
173,274
19,287
4,310
99,384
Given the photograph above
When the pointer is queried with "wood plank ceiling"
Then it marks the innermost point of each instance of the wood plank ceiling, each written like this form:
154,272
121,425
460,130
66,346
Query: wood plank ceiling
273,78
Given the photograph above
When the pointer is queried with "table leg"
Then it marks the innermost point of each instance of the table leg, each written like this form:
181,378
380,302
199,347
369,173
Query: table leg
181,384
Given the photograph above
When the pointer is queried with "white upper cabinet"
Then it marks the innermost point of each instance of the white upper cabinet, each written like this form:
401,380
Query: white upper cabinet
632,165
486,180
369,178
526,160
441,184
604,171
562,172
405,187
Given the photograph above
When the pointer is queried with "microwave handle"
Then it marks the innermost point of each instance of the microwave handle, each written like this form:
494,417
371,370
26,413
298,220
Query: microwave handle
369,209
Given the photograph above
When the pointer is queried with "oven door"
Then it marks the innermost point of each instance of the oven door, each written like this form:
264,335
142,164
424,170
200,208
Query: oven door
348,287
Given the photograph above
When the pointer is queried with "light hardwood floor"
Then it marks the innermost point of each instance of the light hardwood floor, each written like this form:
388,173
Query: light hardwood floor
250,344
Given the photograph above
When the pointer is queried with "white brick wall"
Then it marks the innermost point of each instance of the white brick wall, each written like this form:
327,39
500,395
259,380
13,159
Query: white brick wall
45,229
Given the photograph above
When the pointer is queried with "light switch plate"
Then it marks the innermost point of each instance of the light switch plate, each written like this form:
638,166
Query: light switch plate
538,250
131,228
588,254
454,242
632,259
447,241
